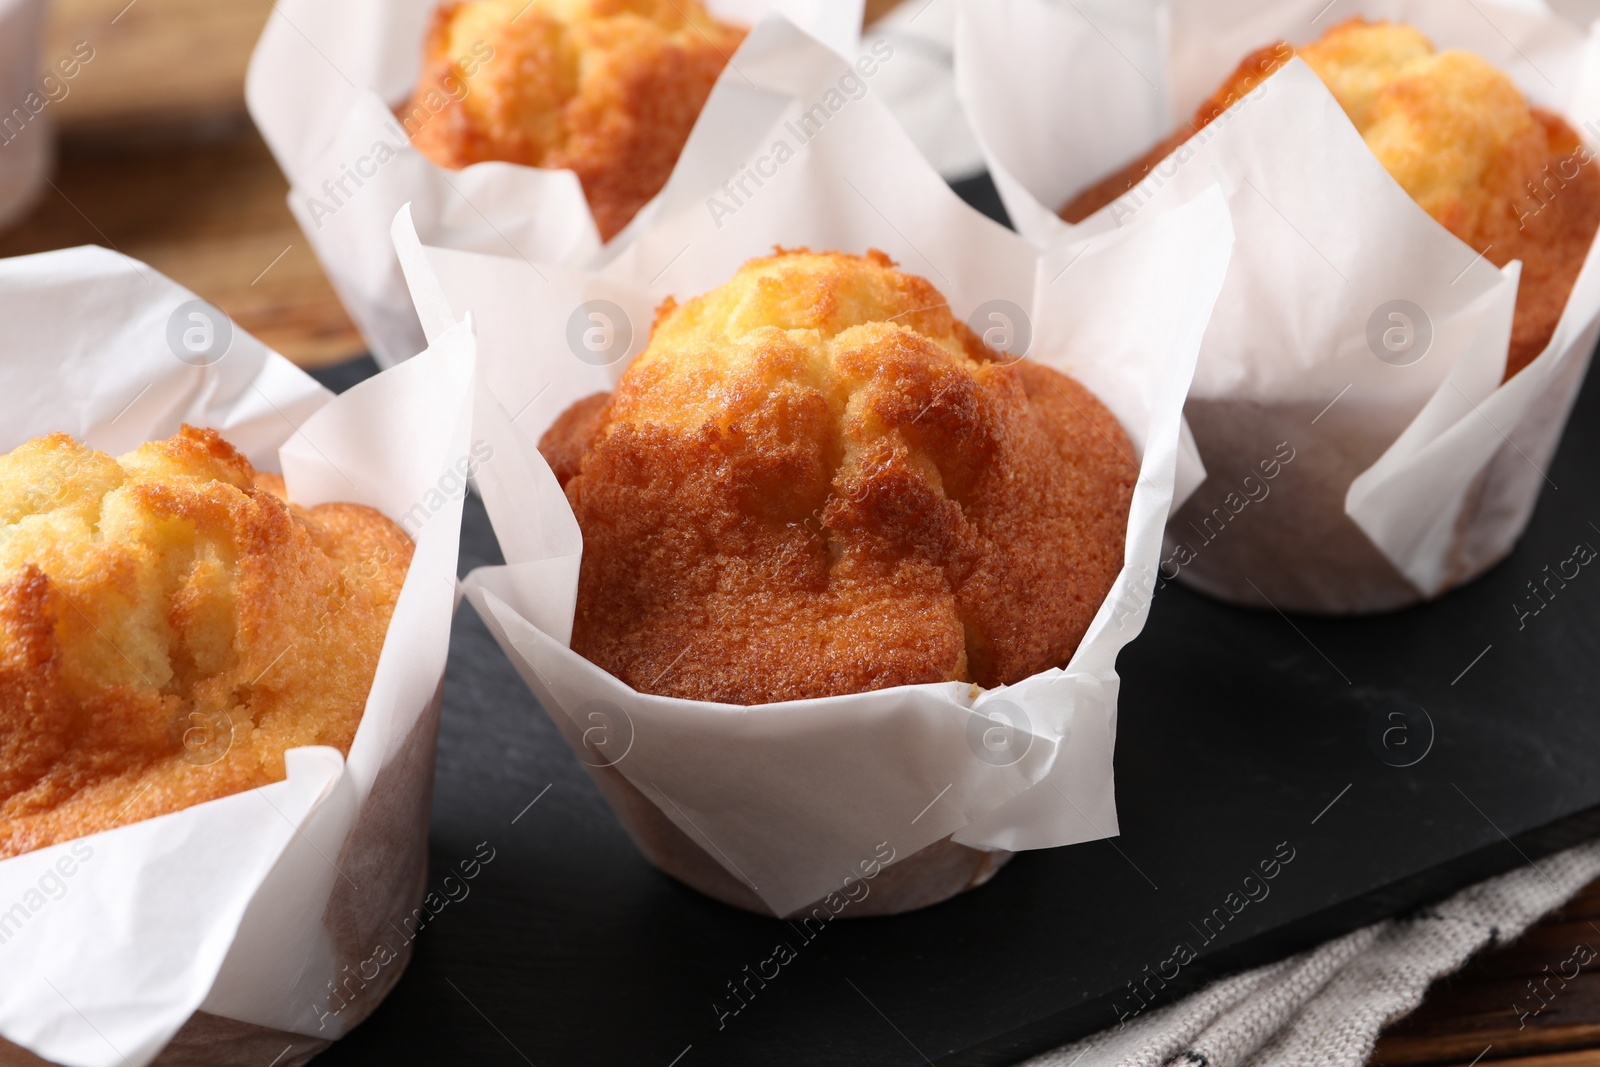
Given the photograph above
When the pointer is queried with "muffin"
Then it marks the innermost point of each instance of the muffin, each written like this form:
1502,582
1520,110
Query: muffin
1508,179
172,625
608,89
816,481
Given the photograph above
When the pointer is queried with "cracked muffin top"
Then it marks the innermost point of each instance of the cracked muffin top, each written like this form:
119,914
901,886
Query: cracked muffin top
169,626
815,481
1511,180
608,89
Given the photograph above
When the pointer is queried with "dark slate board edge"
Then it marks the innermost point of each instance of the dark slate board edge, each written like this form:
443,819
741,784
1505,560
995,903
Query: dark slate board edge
1386,902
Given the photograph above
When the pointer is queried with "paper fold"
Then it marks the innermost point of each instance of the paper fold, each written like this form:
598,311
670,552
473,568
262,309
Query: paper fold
322,86
1410,474
790,798
243,906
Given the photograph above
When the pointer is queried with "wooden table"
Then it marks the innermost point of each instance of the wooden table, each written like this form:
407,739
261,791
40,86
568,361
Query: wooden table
159,160
1478,1011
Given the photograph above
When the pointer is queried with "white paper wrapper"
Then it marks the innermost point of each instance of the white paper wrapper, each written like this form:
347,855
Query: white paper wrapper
792,798
322,87
922,93
1405,480
26,134
246,908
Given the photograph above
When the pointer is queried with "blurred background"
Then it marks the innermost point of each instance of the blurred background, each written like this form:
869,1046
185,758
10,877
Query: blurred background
158,159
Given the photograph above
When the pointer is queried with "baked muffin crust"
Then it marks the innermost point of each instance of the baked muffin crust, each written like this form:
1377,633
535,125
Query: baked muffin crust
816,481
608,89
1511,180
169,626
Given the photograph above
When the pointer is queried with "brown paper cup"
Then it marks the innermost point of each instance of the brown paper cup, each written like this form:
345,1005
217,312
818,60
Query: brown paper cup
386,856
1296,549
210,1041
936,873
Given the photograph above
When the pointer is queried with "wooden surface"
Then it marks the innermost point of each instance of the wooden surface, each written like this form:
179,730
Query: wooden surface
159,160
876,9
1489,1009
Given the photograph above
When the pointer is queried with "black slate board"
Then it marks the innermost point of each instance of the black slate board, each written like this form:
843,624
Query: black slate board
1242,735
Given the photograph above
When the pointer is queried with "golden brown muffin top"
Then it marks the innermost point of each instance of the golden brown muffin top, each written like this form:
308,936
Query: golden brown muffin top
815,480
1439,122
169,626
606,88
1509,179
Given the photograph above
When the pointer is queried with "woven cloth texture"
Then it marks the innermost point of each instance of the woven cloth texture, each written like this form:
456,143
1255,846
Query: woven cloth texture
1327,1006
